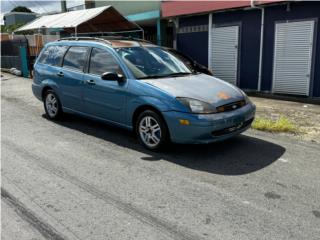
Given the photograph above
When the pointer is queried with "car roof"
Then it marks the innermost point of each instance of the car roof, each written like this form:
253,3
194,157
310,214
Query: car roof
114,42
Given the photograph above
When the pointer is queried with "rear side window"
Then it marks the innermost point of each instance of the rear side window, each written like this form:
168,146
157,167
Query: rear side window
75,58
102,61
53,55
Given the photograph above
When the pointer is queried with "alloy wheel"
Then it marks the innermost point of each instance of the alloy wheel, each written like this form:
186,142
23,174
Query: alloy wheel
51,105
150,131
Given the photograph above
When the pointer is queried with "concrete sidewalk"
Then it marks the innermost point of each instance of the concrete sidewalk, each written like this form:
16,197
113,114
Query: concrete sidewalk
305,116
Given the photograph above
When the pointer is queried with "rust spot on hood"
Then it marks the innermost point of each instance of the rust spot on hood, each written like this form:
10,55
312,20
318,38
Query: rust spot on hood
223,95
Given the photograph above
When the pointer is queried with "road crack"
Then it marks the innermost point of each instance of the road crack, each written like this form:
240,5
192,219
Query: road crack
26,214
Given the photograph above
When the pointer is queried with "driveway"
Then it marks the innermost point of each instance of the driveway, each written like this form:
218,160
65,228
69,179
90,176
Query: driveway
79,179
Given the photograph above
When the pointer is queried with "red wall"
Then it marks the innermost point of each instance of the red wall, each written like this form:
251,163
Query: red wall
176,8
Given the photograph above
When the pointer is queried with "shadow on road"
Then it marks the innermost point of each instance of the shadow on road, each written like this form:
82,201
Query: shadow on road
236,156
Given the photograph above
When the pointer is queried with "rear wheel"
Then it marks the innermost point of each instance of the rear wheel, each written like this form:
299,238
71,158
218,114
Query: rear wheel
52,105
151,130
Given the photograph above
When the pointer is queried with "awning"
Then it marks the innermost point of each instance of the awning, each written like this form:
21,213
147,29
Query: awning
102,19
178,8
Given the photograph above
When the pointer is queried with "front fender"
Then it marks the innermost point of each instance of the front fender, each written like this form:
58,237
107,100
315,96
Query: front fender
160,104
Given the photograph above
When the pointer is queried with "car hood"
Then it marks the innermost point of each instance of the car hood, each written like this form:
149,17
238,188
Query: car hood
201,86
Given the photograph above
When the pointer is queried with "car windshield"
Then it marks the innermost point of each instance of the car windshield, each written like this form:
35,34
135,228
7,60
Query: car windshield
153,62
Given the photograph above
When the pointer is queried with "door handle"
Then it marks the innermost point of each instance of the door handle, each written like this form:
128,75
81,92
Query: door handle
60,74
91,82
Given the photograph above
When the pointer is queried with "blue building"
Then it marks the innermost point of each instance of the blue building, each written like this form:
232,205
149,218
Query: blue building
272,47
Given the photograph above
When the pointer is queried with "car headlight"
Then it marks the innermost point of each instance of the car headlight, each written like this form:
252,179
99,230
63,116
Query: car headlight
197,106
246,98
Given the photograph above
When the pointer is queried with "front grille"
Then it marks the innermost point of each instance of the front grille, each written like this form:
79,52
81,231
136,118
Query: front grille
231,106
232,128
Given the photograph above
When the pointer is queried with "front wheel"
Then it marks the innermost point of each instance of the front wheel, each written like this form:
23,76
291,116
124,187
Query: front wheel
151,130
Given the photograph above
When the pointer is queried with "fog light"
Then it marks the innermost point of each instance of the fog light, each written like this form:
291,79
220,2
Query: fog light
184,122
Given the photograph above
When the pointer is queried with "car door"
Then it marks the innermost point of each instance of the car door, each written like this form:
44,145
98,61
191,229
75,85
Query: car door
104,98
71,77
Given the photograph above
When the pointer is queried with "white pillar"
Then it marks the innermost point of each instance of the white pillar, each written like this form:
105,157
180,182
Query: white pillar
209,41
175,32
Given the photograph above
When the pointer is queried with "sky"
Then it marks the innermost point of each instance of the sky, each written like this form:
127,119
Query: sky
40,6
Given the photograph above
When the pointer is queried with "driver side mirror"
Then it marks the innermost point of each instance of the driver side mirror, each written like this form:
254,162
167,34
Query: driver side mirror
112,76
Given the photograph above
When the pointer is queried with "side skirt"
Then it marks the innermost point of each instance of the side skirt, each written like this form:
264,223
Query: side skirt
68,110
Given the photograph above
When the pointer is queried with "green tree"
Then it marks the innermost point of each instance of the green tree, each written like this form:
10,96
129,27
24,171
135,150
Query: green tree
21,9
11,28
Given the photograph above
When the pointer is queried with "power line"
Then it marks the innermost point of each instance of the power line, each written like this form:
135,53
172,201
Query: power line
32,6
40,6
13,3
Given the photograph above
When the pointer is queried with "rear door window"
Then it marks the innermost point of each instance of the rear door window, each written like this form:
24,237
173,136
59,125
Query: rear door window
53,55
102,61
75,58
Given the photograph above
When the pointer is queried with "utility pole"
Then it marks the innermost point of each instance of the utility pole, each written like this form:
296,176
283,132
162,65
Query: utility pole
63,5
89,4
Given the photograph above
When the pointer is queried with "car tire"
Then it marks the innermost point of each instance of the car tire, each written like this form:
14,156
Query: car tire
152,130
52,105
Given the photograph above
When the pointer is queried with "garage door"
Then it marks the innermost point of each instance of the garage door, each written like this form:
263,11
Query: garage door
224,53
293,57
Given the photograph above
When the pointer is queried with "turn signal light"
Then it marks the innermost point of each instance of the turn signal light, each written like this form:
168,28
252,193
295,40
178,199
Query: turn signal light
184,122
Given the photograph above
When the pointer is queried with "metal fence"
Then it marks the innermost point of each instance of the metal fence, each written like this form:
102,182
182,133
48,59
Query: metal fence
35,41
20,51
10,52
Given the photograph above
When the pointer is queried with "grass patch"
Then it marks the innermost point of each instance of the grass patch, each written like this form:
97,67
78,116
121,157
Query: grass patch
282,124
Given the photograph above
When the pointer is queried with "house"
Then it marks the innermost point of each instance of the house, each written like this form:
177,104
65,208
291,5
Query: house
13,18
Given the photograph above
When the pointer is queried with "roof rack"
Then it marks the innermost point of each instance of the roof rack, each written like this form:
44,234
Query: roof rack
103,39
124,38
85,39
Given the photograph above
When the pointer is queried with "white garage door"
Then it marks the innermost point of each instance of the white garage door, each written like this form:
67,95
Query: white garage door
293,57
224,53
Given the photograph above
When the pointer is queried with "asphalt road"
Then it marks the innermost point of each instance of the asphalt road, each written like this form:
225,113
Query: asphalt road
79,179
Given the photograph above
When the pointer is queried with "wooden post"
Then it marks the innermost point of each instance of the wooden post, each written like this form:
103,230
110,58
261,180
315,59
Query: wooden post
38,43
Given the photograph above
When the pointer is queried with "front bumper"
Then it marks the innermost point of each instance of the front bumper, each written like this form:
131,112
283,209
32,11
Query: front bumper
207,128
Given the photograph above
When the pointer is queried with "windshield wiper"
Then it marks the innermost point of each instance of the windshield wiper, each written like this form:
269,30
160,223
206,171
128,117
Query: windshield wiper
153,76
167,75
178,74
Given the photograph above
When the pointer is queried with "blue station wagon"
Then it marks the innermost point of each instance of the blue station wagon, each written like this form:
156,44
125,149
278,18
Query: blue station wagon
154,91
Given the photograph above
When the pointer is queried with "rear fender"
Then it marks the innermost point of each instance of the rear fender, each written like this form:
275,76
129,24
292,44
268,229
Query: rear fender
47,83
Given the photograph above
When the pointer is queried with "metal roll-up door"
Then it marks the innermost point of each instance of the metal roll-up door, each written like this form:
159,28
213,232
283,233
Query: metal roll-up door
224,53
293,57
